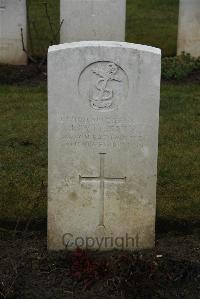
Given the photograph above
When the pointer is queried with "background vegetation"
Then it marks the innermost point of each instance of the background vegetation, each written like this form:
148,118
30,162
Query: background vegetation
150,22
154,23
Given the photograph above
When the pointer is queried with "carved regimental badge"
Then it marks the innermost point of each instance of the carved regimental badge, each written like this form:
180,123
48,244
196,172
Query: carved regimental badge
104,85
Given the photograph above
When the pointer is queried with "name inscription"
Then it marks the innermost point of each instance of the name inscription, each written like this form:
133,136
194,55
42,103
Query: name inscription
102,132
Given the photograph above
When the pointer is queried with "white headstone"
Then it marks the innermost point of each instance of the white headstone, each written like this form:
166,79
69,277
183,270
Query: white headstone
103,142
12,19
92,20
189,27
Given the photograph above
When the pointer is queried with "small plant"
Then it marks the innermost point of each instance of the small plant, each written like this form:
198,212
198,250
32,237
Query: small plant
33,28
85,270
179,67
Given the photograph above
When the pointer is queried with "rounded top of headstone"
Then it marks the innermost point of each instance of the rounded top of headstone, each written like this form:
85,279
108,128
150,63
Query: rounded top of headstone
109,44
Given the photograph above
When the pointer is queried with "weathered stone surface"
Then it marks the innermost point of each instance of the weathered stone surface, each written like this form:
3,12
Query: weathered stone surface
92,20
189,27
12,19
103,141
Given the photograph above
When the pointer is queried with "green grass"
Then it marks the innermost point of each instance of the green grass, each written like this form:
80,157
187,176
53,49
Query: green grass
40,33
23,152
154,23
179,148
150,22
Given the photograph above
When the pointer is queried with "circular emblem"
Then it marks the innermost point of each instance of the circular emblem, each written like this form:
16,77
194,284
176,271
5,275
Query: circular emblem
104,85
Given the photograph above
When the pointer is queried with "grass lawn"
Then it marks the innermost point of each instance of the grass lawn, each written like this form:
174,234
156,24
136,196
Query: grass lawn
23,152
178,187
154,23
151,22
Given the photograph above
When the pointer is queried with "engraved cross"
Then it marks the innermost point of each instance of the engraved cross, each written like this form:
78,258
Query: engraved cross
101,179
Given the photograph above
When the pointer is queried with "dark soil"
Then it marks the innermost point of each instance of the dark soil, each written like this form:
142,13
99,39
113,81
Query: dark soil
193,77
28,270
30,74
